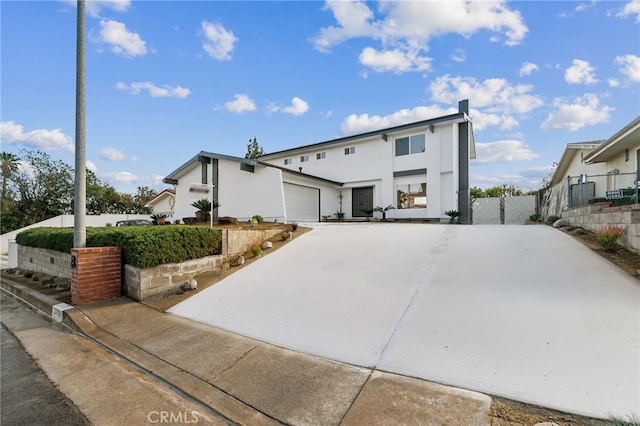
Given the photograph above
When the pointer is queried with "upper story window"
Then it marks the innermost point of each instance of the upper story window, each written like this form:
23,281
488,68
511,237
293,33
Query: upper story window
304,158
410,145
350,150
321,156
287,161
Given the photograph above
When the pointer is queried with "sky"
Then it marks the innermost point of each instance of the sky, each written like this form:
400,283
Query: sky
168,79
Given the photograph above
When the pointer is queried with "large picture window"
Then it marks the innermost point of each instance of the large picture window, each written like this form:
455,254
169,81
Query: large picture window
410,145
412,196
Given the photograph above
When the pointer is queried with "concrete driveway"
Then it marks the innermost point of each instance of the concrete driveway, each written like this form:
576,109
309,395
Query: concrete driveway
523,312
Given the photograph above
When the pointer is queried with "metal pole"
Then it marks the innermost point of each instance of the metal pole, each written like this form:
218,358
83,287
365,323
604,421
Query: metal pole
211,213
80,185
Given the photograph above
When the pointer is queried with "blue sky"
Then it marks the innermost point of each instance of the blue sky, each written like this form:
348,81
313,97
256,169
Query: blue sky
167,79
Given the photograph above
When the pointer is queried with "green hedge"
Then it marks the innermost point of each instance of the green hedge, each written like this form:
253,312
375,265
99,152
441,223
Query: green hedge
142,246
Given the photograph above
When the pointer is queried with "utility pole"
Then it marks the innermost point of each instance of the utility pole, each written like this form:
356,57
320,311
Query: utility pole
80,186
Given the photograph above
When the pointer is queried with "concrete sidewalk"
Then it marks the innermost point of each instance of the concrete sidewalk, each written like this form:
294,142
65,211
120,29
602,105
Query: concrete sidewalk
253,383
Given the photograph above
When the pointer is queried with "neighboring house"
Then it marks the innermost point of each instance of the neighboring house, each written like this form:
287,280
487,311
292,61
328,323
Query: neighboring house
588,170
163,203
421,169
621,152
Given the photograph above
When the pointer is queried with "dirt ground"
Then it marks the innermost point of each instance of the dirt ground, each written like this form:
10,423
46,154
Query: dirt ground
503,412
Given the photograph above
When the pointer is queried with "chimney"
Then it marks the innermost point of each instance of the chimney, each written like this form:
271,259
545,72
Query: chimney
463,106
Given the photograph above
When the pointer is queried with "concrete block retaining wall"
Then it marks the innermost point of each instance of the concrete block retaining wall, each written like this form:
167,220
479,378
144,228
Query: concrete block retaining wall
238,241
140,284
44,261
593,216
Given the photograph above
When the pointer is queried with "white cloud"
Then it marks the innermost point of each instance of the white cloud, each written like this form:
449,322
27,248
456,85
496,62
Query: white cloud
630,66
406,28
394,60
503,151
460,55
583,111
581,72
94,7
114,154
165,91
40,139
355,123
298,107
353,21
630,9
241,104
528,68
120,177
496,95
218,43
482,120
613,82
123,42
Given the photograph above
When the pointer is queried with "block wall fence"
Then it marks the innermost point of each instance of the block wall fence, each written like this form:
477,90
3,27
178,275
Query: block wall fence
136,283
592,217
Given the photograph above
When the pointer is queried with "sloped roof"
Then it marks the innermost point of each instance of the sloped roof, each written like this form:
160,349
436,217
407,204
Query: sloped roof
627,137
173,177
567,156
169,192
460,116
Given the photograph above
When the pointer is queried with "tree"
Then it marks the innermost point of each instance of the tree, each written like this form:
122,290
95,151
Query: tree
101,197
9,166
44,187
254,149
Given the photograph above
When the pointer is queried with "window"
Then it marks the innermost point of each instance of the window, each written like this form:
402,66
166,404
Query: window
304,158
350,150
410,145
287,161
412,196
321,156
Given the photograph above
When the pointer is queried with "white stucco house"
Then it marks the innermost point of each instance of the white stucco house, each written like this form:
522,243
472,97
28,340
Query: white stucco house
421,169
163,203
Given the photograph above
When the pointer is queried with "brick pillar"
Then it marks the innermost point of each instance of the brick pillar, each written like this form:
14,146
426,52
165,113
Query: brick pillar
96,274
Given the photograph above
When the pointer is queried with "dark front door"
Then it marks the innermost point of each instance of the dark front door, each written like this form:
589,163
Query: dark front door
361,199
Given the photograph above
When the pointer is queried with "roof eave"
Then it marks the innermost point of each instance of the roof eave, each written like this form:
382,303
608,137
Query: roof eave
457,117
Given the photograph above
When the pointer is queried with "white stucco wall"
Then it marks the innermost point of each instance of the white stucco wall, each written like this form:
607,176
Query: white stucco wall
374,163
241,194
165,205
618,162
244,194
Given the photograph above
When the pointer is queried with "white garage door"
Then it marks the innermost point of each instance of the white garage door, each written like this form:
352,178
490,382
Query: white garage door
302,203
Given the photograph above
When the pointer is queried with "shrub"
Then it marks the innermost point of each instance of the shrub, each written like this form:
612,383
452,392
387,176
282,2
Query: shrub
608,235
142,246
535,217
258,218
256,250
551,219
454,215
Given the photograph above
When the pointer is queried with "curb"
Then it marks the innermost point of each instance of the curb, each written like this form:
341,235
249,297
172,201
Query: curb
191,386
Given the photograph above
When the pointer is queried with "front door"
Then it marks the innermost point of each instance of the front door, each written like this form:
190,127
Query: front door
361,199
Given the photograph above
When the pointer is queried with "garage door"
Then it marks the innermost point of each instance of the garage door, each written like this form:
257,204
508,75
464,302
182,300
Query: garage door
302,203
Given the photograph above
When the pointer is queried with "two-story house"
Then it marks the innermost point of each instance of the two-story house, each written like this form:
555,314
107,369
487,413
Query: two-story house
421,169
